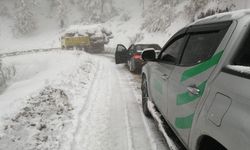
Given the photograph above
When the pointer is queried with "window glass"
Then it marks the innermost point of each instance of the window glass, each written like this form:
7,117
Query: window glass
131,47
201,47
171,53
142,47
243,58
120,48
241,62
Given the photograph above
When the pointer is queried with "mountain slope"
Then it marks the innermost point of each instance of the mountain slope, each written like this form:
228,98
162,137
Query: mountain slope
38,24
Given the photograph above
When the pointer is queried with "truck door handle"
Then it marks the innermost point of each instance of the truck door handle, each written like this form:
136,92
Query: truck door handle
193,90
164,76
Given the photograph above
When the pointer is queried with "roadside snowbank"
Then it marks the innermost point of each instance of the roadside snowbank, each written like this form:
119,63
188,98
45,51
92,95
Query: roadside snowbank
40,106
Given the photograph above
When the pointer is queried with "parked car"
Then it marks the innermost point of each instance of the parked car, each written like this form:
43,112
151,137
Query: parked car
132,55
200,83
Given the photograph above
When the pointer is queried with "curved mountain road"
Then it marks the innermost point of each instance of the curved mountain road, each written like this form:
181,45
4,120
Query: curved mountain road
112,118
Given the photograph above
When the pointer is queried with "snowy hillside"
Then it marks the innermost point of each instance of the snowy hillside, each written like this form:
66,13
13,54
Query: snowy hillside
41,103
38,23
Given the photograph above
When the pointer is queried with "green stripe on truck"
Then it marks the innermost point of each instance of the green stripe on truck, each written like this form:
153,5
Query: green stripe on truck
201,67
184,122
158,86
186,97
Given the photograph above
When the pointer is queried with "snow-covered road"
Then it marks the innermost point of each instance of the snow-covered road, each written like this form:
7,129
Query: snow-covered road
71,100
112,117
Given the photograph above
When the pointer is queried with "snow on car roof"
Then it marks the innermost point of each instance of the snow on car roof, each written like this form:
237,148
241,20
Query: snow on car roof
235,15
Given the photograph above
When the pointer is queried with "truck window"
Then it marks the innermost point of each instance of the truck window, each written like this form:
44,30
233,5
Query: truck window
201,47
240,65
243,57
173,50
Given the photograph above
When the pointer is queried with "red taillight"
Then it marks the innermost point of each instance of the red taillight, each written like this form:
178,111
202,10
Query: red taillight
137,56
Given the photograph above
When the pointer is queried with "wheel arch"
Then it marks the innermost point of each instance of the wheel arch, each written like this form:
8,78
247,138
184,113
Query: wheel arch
206,142
143,75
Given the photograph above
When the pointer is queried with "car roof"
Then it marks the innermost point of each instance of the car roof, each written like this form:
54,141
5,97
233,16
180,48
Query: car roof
223,17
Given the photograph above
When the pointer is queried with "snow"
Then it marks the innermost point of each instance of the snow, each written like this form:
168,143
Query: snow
241,69
73,100
86,29
111,118
42,40
46,90
125,25
225,16
156,116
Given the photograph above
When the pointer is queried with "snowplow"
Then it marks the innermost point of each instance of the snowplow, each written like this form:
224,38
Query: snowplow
91,38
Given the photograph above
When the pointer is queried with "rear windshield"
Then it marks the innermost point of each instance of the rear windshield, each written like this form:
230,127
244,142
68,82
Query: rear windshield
142,47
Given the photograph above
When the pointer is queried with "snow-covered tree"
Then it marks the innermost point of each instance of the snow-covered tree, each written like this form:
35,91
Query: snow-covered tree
58,8
97,10
4,11
24,19
159,15
203,8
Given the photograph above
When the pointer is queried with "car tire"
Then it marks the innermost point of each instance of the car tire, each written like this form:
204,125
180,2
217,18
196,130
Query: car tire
132,66
86,49
145,98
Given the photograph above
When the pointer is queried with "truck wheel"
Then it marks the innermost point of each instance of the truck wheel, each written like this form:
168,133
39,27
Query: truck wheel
209,143
102,48
86,49
145,98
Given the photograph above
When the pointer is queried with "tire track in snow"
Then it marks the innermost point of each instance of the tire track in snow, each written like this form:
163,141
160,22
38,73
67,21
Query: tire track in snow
137,135
85,105
128,129
96,129
112,118
156,141
94,132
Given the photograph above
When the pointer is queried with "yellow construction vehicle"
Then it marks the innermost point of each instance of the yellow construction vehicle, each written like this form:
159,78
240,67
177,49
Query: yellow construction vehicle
79,42
91,38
